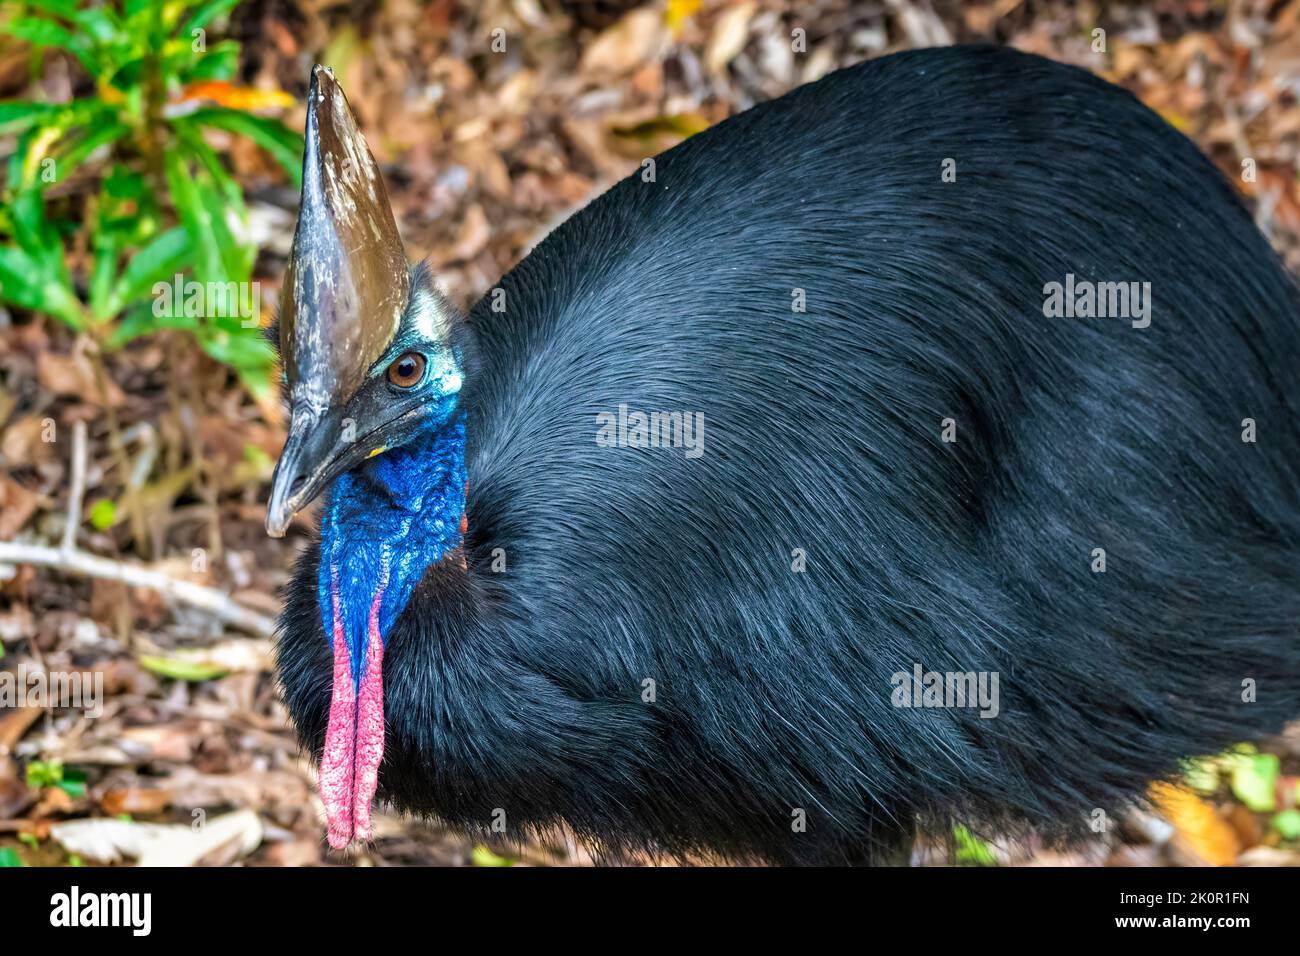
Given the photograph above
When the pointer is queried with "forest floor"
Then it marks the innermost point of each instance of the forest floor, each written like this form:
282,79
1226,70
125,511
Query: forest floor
483,153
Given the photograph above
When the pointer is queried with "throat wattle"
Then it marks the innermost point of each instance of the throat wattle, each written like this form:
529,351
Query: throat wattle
354,739
384,524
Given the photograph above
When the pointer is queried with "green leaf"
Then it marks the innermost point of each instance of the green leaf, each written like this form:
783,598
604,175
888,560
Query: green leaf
971,850
35,276
32,230
129,75
123,184
40,32
100,23
1254,780
14,167
482,856
230,230
103,513
1202,775
65,8
194,217
24,283
140,320
9,857
83,147
219,63
223,201
102,269
17,115
204,15
284,145
39,140
178,669
1287,824
16,271
240,348
42,773
53,774
159,261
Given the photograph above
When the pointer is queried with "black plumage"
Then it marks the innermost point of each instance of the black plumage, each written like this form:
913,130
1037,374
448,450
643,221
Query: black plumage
517,695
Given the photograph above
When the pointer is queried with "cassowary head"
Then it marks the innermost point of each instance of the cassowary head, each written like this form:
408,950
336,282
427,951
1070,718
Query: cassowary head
365,346
373,381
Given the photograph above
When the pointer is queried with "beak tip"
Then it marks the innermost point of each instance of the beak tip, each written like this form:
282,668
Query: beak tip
278,515
277,524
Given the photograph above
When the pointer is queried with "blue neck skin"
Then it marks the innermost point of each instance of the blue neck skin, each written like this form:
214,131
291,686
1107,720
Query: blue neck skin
384,523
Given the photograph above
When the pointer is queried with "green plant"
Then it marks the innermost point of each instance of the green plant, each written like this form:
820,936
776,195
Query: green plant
971,850
53,774
142,195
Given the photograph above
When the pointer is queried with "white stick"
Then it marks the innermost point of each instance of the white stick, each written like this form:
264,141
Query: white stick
78,485
214,602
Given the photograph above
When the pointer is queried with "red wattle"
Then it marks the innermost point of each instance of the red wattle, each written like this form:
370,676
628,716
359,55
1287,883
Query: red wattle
370,726
336,766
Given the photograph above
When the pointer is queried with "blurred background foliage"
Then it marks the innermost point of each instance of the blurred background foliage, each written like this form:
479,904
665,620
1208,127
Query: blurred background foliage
157,198
141,141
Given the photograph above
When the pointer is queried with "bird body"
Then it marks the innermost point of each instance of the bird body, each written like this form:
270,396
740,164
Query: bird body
796,410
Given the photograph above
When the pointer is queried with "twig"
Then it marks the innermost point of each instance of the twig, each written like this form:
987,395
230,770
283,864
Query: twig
217,603
78,488
68,558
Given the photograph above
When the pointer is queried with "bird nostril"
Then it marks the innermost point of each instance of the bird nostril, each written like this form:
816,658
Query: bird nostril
296,485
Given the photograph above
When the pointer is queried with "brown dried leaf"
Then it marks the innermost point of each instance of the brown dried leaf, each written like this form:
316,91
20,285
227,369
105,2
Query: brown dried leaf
54,801
730,34
24,444
636,39
73,376
135,801
15,795
295,853
17,505
473,236
174,743
14,724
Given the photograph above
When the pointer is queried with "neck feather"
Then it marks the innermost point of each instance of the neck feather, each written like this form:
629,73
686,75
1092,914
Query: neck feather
384,524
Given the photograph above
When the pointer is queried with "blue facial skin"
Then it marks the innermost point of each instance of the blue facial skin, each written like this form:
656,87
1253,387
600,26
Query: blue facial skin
386,521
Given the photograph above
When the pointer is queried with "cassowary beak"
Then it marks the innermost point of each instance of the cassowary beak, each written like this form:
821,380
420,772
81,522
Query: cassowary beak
311,458
345,288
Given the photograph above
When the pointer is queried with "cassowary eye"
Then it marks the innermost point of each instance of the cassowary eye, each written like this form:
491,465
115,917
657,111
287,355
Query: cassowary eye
407,370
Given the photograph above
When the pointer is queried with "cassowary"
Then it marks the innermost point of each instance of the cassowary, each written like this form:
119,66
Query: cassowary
918,448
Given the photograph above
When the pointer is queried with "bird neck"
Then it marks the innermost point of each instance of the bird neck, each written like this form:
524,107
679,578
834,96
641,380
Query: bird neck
385,522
